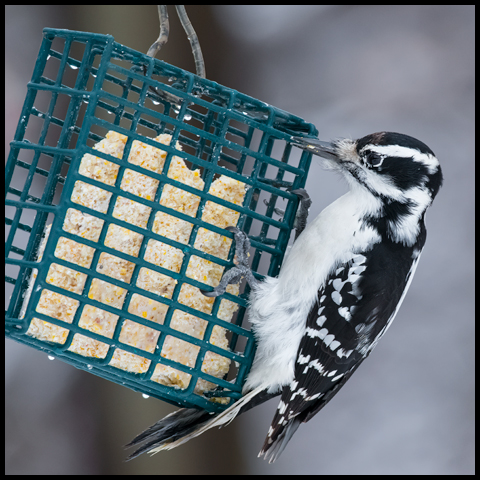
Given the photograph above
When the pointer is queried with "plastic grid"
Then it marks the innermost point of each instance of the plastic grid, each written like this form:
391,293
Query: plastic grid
86,84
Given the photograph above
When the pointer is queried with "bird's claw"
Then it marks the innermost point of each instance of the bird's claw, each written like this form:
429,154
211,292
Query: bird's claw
301,193
277,210
235,274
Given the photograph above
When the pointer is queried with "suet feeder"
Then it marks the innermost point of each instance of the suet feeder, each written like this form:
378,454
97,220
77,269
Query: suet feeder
86,282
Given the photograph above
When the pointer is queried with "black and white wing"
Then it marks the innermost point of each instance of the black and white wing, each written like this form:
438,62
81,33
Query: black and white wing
353,310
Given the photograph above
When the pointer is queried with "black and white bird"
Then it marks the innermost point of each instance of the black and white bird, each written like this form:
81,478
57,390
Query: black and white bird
337,293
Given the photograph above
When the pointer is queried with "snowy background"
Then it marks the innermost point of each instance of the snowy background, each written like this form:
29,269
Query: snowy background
350,70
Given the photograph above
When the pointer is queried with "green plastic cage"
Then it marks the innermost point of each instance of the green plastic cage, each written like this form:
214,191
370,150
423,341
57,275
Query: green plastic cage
83,86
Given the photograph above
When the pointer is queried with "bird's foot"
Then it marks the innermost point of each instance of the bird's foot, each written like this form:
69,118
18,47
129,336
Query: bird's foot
301,216
242,269
300,221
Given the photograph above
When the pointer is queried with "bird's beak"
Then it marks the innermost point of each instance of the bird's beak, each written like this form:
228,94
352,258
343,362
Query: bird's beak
317,147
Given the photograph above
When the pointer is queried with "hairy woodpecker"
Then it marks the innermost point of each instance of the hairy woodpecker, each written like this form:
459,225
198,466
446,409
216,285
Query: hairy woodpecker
337,293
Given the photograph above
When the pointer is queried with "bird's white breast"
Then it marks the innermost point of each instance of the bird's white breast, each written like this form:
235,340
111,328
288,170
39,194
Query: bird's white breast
279,306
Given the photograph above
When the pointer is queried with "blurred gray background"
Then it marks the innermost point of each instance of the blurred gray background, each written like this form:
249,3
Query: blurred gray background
350,70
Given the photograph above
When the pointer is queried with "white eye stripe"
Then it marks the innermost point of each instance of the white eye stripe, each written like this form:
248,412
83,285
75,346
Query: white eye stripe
403,152
391,150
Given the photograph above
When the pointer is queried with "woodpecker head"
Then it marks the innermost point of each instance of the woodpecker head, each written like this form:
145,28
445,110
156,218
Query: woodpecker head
389,165
400,174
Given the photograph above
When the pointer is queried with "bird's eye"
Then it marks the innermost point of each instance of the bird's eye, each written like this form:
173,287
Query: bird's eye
373,159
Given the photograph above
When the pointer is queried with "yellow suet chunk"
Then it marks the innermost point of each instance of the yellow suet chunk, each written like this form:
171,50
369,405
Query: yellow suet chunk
129,242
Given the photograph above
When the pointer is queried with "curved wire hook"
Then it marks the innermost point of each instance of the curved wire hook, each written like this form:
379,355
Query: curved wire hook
189,30
193,39
164,31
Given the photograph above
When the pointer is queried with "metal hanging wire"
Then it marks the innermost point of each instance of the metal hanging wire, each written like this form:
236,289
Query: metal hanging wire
189,30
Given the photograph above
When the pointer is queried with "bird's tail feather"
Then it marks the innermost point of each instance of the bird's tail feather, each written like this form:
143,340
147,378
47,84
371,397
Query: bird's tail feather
182,425
274,446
